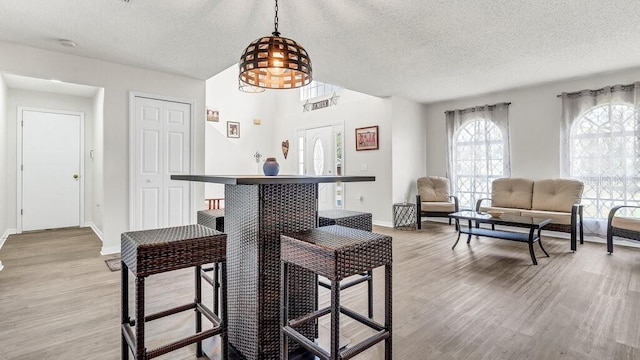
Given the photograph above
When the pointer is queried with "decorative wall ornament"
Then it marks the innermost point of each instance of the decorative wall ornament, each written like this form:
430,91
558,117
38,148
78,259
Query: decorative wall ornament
321,104
285,148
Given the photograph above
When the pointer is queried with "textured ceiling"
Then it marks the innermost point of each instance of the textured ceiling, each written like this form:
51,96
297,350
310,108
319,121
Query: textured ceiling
421,50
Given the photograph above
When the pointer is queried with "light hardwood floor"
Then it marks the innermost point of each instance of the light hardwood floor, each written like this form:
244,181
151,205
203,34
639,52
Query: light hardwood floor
58,299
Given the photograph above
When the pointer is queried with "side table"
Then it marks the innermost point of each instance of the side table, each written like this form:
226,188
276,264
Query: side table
404,216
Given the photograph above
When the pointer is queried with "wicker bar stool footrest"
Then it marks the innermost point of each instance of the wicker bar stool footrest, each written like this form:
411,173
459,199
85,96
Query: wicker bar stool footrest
364,277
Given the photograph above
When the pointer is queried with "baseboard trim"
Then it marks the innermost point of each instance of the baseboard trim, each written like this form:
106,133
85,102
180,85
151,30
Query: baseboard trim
110,250
6,235
106,250
4,238
383,223
95,230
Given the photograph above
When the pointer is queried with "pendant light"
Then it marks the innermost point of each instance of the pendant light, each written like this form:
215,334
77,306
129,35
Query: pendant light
275,62
249,88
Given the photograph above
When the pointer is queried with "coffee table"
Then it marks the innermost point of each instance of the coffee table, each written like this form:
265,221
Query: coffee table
533,224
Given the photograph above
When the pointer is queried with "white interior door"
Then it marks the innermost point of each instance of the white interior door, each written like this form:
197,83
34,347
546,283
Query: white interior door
320,160
162,147
51,170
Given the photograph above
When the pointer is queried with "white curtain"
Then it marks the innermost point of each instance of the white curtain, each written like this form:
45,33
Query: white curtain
478,150
599,145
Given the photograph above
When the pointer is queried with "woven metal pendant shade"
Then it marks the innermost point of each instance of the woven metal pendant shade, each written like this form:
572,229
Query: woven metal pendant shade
275,62
249,88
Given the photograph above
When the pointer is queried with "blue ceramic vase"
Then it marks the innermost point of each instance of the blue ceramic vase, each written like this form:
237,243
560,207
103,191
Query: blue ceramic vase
271,167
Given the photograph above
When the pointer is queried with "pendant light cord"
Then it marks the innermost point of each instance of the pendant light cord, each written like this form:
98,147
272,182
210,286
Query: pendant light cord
275,21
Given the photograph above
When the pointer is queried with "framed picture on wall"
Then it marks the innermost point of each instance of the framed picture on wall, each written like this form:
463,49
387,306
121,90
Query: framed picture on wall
367,138
233,129
213,114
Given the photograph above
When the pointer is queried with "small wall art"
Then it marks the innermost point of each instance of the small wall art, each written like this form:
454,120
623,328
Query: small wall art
233,129
367,138
213,114
285,148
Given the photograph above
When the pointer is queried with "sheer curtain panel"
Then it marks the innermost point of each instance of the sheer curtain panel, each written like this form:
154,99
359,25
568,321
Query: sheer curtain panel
478,150
599,145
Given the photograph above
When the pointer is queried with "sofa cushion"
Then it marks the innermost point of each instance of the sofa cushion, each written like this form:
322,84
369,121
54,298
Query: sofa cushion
555,216
433,188
510,211
556,194
511,193
622,222
438,206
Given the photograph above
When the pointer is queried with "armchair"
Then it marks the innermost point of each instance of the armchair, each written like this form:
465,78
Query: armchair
433,199
626,227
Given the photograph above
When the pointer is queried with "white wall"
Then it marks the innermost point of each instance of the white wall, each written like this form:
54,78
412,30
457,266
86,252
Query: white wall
48,101
97,163
281,114
354,110
534,123
3,161
409,148
117,81
234,156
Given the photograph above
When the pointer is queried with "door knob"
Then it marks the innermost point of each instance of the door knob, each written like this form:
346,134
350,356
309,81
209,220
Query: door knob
75,176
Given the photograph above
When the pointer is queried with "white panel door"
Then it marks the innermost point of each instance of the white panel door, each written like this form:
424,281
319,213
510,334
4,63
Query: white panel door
50,170
320,160
162,148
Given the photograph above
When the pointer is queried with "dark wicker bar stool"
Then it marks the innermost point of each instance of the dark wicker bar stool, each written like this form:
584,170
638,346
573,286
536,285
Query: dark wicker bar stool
150,252
336,252
213,219
355,220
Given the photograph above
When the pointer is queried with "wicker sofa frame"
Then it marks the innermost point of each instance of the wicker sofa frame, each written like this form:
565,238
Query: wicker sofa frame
616,231
440,214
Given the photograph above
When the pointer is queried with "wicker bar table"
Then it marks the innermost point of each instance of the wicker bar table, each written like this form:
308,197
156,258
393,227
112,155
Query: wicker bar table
258,209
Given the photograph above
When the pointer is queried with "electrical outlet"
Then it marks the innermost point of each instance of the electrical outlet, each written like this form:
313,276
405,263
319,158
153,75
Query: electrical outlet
364,167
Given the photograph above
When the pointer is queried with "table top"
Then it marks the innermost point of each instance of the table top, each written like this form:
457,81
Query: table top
504,219
280,179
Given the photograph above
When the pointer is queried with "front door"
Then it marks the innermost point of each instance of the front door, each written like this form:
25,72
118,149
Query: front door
51,175
161,148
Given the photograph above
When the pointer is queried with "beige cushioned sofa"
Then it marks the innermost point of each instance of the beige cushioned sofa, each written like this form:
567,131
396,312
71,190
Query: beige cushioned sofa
433,199
556,199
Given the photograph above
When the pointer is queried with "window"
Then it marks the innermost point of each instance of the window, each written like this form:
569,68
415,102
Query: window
317,89
318,158
478,160
478,150
599,146
605,155
301,153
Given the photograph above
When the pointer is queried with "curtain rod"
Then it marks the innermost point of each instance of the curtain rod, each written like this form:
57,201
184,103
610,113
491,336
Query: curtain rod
596,90
473,107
